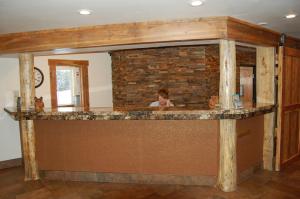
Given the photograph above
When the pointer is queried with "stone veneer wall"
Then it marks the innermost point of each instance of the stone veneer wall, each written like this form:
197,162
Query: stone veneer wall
190,73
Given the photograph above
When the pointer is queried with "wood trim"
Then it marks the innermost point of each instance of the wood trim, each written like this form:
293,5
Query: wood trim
246,174
53,86
289,161
112,35
292,42
137,178
11,163
85,86
83,67
243,31
291,107
292,52
64,62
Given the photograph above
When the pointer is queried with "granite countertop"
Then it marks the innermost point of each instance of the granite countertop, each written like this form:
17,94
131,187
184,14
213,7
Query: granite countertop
144,113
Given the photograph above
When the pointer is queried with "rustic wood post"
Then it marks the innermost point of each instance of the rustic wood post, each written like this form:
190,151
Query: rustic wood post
227,178
265,94
27,91
279,109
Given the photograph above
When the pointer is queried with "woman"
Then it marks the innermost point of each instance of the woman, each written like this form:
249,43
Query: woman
163,99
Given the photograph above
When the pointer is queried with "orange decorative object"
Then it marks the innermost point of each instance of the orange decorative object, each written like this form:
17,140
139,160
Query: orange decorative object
213,101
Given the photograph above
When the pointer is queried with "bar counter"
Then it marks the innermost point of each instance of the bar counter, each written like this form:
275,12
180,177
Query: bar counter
143,145
143,113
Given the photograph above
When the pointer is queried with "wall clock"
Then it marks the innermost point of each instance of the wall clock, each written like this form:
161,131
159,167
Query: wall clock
38,77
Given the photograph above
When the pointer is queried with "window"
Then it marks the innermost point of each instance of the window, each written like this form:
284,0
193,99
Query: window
69,83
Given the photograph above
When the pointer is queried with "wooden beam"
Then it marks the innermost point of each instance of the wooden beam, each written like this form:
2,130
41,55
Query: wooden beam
114,34
265,94
117,36
27,90
292,42
227,177
243,31
279,109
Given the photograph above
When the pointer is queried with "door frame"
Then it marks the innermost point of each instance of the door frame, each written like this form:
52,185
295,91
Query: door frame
84,84
282,53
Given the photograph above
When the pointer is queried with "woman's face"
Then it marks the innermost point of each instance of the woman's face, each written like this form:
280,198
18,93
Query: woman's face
162,101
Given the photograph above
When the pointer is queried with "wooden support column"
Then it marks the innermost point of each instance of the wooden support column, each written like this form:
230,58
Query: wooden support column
227,177
279,109
265,94
27,91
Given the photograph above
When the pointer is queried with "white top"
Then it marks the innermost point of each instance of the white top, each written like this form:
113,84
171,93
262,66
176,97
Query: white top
156,104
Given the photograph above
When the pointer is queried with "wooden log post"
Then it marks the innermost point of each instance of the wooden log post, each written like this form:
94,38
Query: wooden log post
27,91
279,109
265,94
227,177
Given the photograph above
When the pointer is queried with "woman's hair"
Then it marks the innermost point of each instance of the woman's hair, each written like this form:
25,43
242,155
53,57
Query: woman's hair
163,93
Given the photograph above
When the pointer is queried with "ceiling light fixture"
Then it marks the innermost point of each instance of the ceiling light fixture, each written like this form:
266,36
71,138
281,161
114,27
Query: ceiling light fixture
290,16
62,51
262,23
85,12
195,3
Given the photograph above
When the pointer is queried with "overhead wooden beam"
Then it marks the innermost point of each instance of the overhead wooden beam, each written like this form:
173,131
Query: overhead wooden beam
265,94
227,177
27,91
114,35
292,42
243,31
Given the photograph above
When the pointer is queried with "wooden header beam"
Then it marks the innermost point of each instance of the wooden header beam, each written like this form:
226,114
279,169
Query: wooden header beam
113,35
242,31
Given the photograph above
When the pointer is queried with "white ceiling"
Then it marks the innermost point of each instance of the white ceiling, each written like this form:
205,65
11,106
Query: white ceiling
28,15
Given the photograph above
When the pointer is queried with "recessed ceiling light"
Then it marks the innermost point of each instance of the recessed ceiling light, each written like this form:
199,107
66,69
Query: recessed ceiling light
85,12
262,23
195,3
62,50
290,16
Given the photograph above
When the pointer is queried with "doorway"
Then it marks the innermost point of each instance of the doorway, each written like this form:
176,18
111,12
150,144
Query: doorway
69,83
68,86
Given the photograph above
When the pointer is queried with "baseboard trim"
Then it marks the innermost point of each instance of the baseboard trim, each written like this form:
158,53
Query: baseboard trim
11,163
128,178
246,174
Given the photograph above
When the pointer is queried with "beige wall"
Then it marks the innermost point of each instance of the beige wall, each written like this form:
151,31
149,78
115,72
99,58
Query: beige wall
10,147
100,83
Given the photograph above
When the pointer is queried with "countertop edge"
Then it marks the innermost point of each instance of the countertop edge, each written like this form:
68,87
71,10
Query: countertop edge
143,114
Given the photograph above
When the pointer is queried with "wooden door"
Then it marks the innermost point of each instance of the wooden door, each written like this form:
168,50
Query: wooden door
288,139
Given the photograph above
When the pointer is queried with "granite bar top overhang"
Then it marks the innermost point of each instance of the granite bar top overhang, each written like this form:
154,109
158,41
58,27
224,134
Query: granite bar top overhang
145,113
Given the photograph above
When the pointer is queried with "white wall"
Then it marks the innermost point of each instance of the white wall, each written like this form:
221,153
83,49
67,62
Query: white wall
10,147
100,83
100,80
